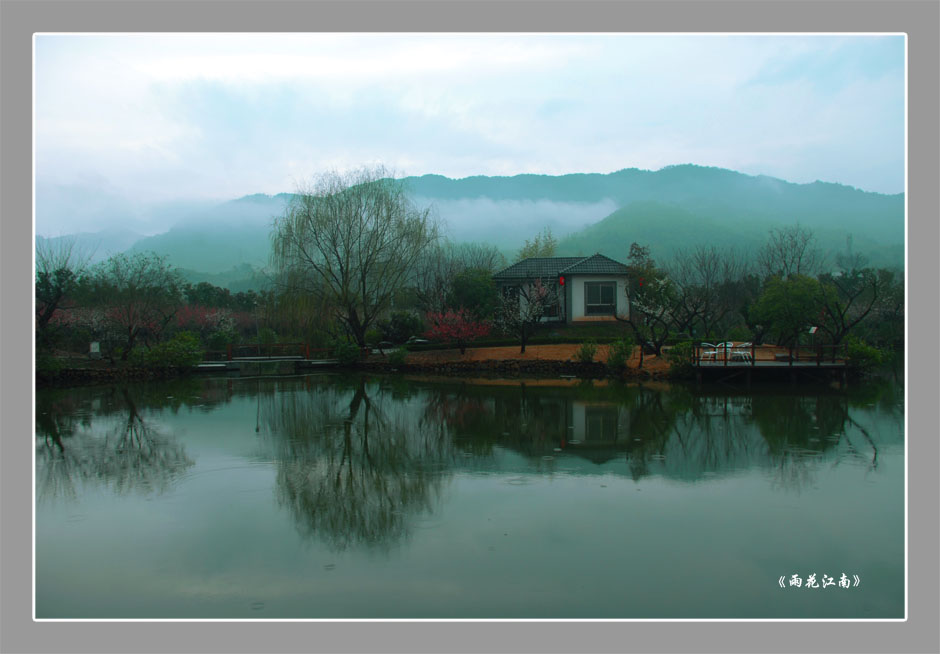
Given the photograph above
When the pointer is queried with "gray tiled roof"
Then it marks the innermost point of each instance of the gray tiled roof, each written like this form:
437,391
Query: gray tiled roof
544,267
597,264
537,267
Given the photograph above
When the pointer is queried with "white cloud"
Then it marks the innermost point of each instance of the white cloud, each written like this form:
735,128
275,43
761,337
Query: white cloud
160,116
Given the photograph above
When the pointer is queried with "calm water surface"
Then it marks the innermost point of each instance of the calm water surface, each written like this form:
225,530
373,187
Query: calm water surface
335,496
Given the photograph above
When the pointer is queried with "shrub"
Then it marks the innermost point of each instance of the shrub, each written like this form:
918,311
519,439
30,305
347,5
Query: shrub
181,351
861,356
373,337
347,353
739,333
586,352
619,353
397,357
680,358
219,340
47,365
400,326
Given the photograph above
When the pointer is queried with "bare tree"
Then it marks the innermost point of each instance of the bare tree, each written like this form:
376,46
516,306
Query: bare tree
652,300
141,294
790,251
441,265
847,299
522,307
353,240
59,266
706,280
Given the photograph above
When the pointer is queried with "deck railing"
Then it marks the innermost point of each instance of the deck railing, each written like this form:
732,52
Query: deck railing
750,354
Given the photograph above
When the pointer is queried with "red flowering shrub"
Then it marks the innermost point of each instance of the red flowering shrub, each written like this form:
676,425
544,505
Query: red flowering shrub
456,327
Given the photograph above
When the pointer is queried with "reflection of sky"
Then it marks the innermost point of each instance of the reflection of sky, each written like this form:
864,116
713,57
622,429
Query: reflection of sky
552,546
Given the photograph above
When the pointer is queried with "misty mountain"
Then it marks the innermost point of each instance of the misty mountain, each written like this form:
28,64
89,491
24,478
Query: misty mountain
671,209
710,194
222,237
675,208
95,246
669,229
99,210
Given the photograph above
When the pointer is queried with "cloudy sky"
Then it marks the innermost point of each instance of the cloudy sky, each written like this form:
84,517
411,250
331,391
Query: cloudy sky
154,118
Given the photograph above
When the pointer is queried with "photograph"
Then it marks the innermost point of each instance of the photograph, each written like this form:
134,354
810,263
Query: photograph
470,326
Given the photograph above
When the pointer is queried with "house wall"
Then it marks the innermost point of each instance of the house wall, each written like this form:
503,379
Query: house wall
563,296
576,306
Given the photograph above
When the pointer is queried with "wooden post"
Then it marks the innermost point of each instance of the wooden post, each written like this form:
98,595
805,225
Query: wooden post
228,352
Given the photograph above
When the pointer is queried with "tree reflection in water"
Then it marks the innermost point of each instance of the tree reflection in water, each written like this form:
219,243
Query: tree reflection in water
679,432
353,469
130,456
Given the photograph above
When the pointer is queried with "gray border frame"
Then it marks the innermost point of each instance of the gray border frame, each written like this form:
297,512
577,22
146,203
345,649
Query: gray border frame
20,18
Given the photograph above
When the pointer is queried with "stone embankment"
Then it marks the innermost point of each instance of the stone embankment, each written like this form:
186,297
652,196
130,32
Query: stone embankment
82,376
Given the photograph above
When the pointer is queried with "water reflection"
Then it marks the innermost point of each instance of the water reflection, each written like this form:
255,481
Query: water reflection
121,449
679,433
360,461
354,467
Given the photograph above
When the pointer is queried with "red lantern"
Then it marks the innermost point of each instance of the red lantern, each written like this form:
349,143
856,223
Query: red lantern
561,280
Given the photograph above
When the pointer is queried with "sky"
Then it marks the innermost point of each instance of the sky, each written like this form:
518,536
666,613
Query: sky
133,120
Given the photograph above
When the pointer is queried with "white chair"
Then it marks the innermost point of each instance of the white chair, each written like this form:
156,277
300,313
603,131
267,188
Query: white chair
711,353
723,349
741,351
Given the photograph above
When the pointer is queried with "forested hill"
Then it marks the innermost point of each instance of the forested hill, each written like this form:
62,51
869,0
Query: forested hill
681,206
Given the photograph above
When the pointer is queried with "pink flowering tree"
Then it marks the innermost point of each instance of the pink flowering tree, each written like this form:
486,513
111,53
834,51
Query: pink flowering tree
521,308
455,326
205,321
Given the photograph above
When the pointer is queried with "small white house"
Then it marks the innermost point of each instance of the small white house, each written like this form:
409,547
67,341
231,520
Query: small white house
589,289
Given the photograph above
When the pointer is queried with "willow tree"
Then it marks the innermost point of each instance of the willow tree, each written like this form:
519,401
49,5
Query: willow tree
351,241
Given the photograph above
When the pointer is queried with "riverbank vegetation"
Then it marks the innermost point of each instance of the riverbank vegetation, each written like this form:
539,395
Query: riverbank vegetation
356,268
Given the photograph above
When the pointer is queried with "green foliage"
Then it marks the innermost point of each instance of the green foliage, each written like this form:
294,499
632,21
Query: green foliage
47,365
347,353
267,336
586,352
543,245
181,351
401,326
787,307
397,357
219,340
739,333
373,337
474,290
619,353
680,358
861,356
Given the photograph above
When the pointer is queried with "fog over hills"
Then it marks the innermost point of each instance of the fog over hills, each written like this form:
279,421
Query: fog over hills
673,208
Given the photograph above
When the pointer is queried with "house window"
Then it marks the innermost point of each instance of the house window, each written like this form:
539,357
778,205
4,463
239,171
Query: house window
599,298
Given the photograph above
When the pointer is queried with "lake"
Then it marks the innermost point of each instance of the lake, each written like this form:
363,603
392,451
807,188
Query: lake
344,496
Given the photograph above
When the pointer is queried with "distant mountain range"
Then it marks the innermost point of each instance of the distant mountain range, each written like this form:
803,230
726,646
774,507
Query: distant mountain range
674,208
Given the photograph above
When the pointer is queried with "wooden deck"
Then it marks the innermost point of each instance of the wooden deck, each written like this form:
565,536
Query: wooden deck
748,355
735,360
